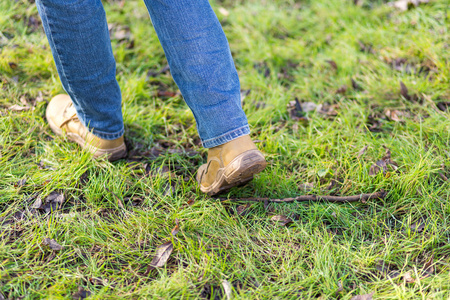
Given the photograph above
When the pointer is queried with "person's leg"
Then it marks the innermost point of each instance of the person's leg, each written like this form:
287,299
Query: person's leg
202,66
79,39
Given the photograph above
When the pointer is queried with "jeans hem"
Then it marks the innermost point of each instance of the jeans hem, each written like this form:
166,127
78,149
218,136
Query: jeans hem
227,137
107,136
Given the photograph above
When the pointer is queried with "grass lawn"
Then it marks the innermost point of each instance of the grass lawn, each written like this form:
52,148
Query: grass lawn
370,79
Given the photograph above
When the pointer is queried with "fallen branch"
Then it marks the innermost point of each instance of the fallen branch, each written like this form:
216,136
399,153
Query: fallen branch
357,198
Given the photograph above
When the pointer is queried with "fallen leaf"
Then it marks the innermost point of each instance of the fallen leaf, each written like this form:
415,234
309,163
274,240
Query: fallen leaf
224,11
363,297
266,204
167,94
404,91
428,267
402,65
244,94
374,170
162,255
98,281
404,5
308,106
407,277
227,289
17,107
37,203
355,85
242,210
443,106
176,229
122,34
418,226
366,47
383,164
281,220
295,110
393,115
386,270
164,69
307,186
342,89
328,110
332,64
21,182
52,244
81,293
262,68
362,151
39,97
340,288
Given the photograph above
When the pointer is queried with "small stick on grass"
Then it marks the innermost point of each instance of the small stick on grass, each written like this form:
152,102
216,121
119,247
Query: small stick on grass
119,202
356,198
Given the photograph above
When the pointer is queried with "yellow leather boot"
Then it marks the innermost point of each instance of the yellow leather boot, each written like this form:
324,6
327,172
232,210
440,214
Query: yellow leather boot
231,164
62,117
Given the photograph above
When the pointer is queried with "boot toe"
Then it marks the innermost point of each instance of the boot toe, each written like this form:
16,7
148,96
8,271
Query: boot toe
55,110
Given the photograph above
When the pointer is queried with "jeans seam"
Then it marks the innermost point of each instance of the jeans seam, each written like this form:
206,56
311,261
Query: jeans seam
60,62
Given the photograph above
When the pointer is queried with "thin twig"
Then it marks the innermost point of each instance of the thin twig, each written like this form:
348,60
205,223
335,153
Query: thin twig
361,197
119,202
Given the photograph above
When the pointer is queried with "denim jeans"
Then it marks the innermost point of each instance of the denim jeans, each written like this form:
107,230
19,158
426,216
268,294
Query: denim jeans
195,46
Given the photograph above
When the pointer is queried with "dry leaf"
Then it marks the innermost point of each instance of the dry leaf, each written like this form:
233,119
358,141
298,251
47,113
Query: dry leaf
342,89
355,85
332,64
52,244
328,110
374,170
242,209
81,294
428,268
21,182
224,11
39,97
17,107
161,257
404,91
176,229
403,5
308,106
281,220
227,289
393,115
362,151
407,277
363,297
307,186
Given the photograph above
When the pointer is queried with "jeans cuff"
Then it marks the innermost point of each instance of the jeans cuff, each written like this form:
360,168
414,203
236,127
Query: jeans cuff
107,136
225,138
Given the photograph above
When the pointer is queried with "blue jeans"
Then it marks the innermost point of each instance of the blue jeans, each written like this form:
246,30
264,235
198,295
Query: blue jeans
196,49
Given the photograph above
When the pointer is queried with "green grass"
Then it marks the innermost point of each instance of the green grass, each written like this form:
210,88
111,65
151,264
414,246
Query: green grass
107,249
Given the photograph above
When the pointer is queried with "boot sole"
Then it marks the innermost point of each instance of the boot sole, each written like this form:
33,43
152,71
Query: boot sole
113,154
238,172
